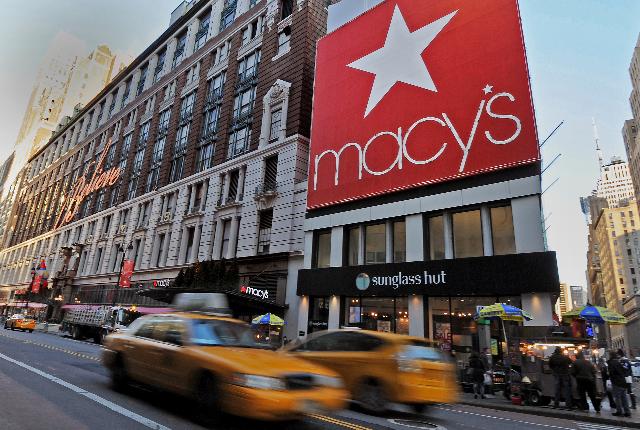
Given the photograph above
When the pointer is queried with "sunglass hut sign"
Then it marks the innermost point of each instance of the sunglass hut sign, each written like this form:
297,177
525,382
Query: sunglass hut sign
426,278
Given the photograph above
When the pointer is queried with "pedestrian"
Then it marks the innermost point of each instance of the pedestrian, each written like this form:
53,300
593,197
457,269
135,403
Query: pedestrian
604,371
585,373
627,365
617,373
477,375
486,358
559,364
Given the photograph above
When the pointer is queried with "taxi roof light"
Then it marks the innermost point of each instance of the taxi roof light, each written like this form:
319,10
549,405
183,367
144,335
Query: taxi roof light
210,303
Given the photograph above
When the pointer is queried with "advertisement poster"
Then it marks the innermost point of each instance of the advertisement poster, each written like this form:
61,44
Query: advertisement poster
354,315
384,326
494,346
443,335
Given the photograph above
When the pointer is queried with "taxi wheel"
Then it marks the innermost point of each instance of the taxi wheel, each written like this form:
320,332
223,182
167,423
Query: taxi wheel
207,393
119,377
371,396
30,331
420,408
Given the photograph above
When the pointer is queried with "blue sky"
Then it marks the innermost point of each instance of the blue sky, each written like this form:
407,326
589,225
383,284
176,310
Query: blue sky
578,50
579,54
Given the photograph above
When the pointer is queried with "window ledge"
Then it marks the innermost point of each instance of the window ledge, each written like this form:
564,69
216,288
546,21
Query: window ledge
218,68
282,54
164,104
189,87
146,117
253,44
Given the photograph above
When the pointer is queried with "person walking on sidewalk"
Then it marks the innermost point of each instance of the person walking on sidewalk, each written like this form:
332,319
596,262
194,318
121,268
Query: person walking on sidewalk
477,375
585,373
618,373
559,364
627,365
604,371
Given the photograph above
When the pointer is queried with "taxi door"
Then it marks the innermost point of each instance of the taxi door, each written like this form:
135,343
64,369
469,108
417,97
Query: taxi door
166,356
135,351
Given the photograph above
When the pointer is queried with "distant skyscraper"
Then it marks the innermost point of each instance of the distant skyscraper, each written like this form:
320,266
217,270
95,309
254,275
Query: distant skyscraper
578,296
615,183
630,129
563,303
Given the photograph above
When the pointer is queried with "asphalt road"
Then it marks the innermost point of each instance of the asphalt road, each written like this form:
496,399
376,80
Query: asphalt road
50,382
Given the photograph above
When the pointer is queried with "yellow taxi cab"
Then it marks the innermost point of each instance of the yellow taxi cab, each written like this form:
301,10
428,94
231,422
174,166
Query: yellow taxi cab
217,361
21,322
379,368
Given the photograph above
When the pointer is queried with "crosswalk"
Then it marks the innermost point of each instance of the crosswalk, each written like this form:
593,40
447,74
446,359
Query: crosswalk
591,426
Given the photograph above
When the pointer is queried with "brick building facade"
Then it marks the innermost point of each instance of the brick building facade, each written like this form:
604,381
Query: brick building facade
209,129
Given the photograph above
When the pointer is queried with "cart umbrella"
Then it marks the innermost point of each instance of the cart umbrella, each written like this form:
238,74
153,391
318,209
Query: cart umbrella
596,315
268,319
504,312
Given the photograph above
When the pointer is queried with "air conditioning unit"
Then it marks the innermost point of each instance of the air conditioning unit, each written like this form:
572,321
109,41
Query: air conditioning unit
122,229
167,216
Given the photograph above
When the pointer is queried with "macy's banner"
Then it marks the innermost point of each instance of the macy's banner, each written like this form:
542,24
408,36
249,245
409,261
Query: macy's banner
414,93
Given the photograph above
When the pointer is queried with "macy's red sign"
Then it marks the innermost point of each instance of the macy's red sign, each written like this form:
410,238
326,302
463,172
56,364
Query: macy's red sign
415,93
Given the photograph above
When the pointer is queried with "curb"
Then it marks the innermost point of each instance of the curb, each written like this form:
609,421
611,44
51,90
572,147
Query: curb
556,414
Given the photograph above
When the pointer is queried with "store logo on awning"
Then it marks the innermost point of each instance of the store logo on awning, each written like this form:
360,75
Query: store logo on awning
362,281
263,294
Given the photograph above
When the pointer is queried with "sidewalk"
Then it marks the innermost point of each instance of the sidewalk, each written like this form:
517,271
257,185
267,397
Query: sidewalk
498,402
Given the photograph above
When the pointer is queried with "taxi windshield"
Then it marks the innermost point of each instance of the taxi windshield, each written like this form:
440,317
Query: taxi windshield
208,332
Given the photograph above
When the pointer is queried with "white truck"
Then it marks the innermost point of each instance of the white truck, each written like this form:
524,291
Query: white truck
96,321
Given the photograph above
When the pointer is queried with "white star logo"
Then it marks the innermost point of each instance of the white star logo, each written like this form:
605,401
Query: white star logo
488,89
400,59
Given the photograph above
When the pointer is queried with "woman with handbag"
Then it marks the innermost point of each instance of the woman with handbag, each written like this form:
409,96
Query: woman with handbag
629,378
606,381
478,370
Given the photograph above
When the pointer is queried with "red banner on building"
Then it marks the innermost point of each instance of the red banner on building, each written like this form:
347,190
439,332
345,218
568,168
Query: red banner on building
35,284
125,275
413,93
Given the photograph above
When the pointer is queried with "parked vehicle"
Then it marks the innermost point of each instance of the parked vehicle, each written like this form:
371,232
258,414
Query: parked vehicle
21,322
96,321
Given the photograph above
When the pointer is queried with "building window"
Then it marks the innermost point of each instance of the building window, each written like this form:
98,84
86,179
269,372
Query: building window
156,162
322,249
203,30
163,122
264,231
243,103
287,8
234,179
204,156
353,246
186,108
375,244
399,242
270,173
239,142
179,151
467,234
143,77
251,31
179,53
157,73
161,239
226,233
318,314
228,14
504,240
284,40
127,91
248,66
389,315
435,227
276,125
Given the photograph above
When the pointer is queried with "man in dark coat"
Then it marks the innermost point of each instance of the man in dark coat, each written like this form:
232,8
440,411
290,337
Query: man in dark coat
617,374
477,375
559,364
585,373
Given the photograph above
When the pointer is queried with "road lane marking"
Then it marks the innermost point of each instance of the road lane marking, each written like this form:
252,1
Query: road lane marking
81,391
53,348
338,422
415,424
550,426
